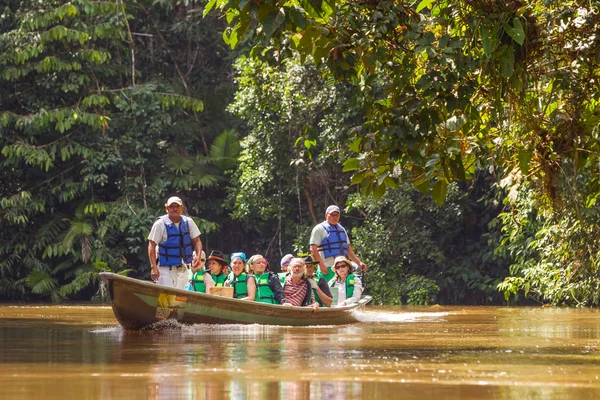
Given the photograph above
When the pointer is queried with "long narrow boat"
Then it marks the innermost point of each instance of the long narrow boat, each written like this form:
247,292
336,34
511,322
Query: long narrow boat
141,304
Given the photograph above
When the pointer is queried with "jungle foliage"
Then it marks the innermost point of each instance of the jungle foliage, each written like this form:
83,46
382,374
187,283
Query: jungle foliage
451,88
460,137
100,123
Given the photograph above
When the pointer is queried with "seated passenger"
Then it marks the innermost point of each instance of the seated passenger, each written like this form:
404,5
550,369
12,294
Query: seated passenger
214,276
348,285
285,261
268,287
319,285
196,274
296,288
243,284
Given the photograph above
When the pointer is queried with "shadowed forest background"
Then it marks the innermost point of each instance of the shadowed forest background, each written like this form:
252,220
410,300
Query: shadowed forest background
460,139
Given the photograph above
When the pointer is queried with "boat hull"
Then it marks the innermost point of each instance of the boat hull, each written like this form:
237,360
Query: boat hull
141,304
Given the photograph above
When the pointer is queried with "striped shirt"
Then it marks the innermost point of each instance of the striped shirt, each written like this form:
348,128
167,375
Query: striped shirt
295,293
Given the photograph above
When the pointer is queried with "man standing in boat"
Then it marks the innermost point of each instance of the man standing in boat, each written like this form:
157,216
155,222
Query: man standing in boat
328,240
177,237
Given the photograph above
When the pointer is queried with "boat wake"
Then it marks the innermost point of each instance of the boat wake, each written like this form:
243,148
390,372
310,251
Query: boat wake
378,316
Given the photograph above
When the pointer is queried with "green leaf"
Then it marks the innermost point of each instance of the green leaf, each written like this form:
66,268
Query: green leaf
298,17
225,149
358,178
507,62
423,4
351,164
552,107
273,21
524,159
516,32
209,6
355,145
379,191
439,192
41,282
457,167
487,41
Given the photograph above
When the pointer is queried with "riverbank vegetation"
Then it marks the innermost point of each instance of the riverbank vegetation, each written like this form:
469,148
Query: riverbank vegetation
461,139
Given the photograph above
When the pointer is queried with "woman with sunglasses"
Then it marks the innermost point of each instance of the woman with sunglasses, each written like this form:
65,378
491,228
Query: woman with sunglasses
348,285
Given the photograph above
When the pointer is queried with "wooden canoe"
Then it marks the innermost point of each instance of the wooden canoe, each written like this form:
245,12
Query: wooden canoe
141,304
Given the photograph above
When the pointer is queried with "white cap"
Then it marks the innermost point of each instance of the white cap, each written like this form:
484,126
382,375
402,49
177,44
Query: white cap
174,199
332,209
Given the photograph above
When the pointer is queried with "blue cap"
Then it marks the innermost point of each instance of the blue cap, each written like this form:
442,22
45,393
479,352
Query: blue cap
239,255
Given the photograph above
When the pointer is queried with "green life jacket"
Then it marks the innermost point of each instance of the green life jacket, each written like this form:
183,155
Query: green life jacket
349,285
328,277
239,285
282,276
317,299
198,280
220,279
264,294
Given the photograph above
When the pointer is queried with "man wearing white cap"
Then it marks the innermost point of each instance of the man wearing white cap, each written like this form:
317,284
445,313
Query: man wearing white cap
177,237
328,240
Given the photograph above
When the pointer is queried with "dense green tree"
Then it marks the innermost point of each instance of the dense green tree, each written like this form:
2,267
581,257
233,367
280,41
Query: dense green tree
99,124
451,88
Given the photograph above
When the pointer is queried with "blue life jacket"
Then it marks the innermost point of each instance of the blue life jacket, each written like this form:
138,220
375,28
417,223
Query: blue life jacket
178,245
336,242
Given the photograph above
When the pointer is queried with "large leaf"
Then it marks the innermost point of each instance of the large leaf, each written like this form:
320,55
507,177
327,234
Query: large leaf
225,149
352,164
516,32
524,159
487,41
41,282
273,21
439,192
507,62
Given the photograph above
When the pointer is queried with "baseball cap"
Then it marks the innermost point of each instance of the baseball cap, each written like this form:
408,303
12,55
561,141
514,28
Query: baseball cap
174,199
332,209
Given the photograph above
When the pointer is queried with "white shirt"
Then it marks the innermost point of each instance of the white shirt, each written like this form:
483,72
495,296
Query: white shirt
158,233
341,286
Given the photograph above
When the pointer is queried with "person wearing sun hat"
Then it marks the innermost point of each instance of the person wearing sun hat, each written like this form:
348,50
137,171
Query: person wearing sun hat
215,275
172,242
348,285
328,240
243,284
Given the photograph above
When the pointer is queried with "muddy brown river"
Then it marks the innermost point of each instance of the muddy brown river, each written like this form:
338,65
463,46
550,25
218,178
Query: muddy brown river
80,352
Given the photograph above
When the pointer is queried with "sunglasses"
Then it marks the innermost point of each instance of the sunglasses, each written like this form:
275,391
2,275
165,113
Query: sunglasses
341,266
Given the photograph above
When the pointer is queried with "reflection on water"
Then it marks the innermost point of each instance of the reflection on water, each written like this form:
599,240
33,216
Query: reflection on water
79,352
